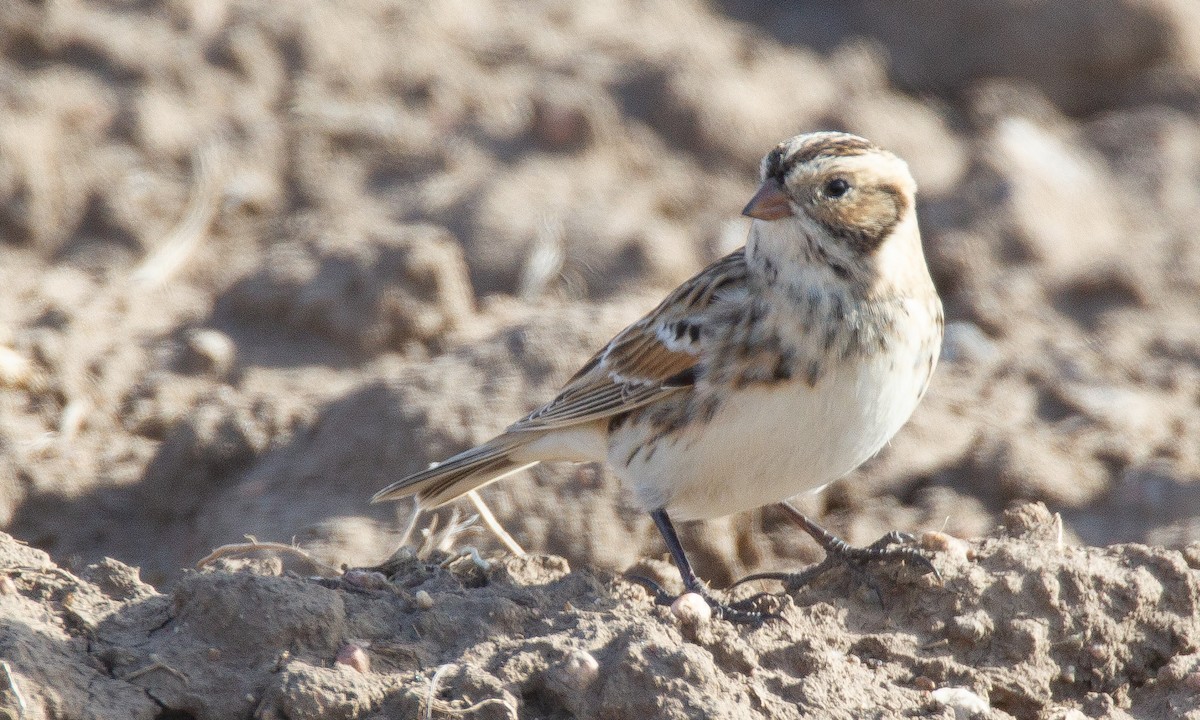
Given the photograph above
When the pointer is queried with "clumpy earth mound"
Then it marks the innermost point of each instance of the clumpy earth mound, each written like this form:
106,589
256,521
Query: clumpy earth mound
1020,625
258,260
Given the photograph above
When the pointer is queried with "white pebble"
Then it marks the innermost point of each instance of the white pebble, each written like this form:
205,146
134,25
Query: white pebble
211,350
966,704
15,370
691,609
423,599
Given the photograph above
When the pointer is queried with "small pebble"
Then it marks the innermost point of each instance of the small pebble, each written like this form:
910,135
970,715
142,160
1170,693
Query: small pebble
925,684
354,656
691,609
7,586
966,704
365,579
575,674
941,542
15,370
423,599
209,351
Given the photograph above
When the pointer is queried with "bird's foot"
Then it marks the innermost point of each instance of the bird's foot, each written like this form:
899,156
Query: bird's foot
751,611
893,547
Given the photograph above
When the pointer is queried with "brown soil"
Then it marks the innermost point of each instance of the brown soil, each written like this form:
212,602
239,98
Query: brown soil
1020,623
257,260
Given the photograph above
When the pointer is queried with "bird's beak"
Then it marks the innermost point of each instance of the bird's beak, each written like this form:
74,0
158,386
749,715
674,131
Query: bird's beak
769,203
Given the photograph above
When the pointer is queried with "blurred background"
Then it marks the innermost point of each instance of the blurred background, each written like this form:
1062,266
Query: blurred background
259,259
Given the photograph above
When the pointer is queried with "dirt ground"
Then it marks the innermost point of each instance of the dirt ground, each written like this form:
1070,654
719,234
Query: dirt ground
257,260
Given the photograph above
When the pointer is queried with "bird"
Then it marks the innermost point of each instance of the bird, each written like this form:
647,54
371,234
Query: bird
773,372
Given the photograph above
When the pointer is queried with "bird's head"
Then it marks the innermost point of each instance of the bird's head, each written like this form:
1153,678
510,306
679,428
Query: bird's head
839,187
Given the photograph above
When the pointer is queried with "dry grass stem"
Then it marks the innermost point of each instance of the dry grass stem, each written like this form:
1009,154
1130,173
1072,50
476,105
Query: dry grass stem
16,689
173,252
485,514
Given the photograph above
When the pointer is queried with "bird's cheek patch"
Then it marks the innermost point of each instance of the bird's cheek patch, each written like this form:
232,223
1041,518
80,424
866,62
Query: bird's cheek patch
865,220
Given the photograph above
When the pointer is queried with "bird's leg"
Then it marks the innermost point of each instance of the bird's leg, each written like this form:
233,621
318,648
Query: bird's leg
895,546
692,583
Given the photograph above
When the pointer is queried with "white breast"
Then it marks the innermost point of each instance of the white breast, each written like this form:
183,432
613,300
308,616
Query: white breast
767,443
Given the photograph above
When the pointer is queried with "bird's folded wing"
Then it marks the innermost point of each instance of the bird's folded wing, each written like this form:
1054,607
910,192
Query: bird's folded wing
656,356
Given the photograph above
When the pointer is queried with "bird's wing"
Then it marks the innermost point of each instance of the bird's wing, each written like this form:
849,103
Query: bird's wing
654,357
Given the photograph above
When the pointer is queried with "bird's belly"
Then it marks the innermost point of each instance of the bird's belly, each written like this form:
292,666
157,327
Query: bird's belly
766,443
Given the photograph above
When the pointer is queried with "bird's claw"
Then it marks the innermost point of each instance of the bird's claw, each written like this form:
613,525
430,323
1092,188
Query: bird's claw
895,546
742,612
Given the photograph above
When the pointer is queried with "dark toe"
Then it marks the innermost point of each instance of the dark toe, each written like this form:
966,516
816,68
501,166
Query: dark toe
893,547
743,612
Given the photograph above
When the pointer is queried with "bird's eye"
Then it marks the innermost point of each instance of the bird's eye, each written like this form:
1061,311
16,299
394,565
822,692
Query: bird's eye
837,187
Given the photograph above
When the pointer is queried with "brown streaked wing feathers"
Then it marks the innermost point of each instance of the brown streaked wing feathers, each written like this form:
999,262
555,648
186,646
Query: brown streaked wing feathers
636,368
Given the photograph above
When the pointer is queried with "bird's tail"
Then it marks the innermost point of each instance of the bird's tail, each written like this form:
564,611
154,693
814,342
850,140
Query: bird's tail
458,475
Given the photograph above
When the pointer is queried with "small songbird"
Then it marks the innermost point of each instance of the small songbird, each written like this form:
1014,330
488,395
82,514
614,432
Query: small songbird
776,370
